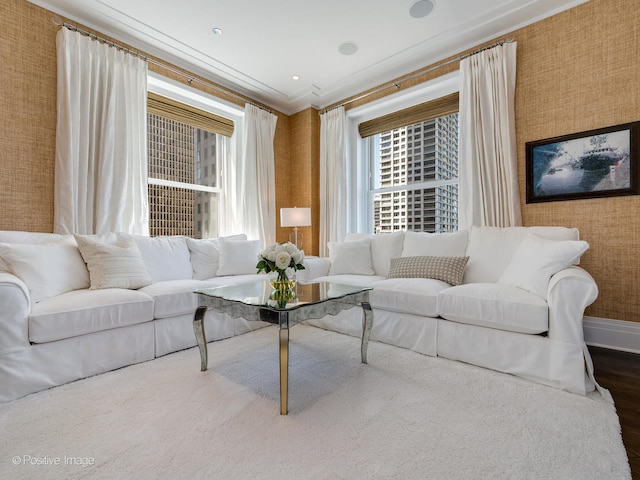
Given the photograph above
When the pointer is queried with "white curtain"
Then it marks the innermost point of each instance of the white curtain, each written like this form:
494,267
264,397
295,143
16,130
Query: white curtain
333,178
489,194
226,156
257,175
101,141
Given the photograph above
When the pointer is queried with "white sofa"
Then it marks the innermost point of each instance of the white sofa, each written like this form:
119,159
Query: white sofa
55,329
519,307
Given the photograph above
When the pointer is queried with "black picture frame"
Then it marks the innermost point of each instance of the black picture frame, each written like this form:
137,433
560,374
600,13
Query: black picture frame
592,164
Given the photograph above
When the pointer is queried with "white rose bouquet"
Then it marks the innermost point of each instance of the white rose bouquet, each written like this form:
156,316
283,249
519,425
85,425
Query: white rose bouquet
279,257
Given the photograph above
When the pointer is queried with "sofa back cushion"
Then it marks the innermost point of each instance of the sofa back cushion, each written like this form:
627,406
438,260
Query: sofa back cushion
384,247
238,257
423,244
205,255
490,249
351,257
166,258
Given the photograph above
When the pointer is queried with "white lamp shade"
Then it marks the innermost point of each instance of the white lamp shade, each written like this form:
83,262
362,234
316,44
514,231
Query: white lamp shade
295,217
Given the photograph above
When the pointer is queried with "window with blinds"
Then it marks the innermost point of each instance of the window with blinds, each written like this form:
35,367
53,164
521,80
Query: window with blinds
413,167
184,148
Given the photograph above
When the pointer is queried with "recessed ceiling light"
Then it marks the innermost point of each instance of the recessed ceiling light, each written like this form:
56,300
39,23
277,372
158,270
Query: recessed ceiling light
295,77
348,48
421,8
216,31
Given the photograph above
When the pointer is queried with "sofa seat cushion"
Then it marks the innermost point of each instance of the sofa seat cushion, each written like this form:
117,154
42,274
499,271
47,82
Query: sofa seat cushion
176,297
495,306
173,297
351,279
418,296
235,279
87,311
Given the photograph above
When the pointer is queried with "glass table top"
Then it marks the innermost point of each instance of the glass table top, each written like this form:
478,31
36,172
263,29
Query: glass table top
260,293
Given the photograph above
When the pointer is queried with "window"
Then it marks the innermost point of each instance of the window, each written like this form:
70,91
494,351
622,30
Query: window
186,152
178,192
416,186
419,201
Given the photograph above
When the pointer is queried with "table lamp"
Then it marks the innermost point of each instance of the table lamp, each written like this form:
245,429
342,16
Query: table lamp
295,217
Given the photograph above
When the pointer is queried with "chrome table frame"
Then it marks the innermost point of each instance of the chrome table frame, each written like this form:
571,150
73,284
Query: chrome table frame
285,319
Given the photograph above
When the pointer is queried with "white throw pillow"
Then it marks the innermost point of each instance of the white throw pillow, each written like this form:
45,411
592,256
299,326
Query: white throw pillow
166,258
205,255
422,244
47,269
118,265
537,259
238,257
384,247
490,249
351,258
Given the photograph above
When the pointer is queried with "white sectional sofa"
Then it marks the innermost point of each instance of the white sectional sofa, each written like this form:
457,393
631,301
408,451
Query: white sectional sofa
518,307
54,328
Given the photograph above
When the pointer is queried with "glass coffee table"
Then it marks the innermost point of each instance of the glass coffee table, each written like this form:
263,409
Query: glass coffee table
255,301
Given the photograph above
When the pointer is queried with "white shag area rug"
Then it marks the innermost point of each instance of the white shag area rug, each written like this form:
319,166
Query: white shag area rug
402,416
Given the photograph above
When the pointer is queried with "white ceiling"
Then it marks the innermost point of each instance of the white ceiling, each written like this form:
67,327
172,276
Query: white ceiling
265,42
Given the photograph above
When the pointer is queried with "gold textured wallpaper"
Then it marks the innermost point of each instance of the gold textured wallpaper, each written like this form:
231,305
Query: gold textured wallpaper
28,122
579,71
576,71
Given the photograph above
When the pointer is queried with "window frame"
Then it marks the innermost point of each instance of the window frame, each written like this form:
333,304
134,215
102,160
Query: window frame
190,96
360,150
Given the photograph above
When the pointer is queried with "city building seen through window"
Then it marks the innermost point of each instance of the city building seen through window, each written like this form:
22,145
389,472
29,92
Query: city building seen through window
183,179
414,177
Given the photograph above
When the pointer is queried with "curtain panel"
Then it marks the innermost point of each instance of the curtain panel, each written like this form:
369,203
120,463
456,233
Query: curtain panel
489,193
257,175
101,141
333,178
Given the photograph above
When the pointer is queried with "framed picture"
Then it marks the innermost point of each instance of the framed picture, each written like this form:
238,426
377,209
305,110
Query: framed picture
593,164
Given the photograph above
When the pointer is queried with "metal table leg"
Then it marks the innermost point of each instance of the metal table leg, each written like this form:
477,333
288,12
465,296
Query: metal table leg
367,325
284,370
198,328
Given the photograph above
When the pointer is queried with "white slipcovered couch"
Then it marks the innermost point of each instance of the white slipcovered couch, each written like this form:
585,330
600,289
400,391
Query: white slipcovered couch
55,329
518,308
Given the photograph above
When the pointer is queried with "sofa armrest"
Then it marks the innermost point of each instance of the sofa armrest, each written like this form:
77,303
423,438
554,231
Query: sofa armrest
570,292
15,306
314,267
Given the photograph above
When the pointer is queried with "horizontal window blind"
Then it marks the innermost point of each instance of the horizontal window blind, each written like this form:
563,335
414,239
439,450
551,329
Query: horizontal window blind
180,112
418,113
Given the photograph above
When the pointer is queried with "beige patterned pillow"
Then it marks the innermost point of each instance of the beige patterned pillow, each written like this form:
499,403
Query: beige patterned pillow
446,269
117,265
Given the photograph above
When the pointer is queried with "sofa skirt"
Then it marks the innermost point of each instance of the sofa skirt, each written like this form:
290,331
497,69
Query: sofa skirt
534,357
41,366
404,330
176,333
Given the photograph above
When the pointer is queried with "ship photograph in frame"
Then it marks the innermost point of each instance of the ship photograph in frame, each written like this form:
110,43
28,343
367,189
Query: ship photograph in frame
593,164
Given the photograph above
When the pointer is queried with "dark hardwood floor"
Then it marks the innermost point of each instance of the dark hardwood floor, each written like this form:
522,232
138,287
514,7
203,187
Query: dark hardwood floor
619,372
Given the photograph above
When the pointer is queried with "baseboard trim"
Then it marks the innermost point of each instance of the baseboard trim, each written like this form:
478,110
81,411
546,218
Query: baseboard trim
614,334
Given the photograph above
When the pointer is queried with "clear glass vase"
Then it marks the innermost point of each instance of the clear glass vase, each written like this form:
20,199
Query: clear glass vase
284,289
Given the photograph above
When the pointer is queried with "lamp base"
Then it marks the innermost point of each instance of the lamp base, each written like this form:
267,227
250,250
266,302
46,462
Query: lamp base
297,239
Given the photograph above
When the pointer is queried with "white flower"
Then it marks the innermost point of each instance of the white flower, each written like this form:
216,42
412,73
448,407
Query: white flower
269,253
291,248
298,257
283,259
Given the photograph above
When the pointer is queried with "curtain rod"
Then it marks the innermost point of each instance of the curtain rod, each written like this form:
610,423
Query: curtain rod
398,83
190,79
